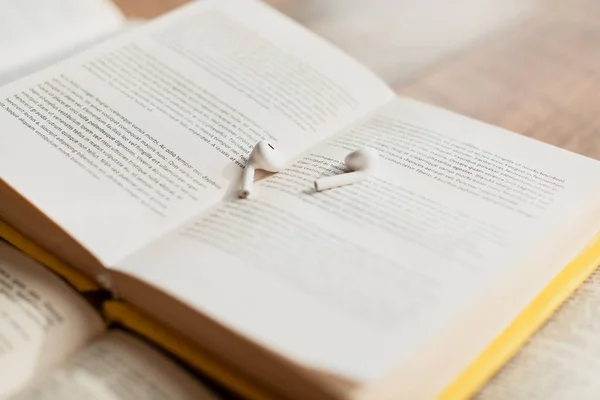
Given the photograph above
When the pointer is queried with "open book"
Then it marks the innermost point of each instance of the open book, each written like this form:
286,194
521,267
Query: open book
54,345
124,162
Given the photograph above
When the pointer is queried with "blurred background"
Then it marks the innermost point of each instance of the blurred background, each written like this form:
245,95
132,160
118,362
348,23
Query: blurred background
395,38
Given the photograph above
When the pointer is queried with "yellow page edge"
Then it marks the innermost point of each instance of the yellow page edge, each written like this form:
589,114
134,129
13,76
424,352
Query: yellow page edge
126,315
505,346
77,279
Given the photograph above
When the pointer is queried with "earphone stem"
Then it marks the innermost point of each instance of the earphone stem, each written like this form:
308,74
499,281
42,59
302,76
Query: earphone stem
340,180
247,181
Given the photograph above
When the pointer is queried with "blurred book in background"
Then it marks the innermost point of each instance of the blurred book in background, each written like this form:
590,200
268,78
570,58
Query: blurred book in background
36,33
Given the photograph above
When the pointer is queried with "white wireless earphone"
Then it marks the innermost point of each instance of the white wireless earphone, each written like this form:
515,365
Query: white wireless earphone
263,156
361,162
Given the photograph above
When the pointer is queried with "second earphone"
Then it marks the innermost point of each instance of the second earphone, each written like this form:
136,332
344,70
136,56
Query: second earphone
361,164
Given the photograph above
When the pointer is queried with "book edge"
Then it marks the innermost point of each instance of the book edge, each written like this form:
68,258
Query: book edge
77,279
531,319
128,316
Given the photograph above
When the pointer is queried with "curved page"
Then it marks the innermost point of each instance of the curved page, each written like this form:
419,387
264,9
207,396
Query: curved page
42,320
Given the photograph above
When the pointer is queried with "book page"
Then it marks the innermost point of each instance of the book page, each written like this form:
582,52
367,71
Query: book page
118,367
42,320
357,279
36,30
124,142
562,361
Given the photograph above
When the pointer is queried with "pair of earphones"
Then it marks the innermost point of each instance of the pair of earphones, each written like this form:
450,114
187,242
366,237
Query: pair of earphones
264,156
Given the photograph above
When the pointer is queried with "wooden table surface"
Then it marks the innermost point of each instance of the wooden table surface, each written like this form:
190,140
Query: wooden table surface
539,77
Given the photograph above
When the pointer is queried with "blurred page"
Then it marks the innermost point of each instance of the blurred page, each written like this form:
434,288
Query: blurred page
118,367
42,320
34,30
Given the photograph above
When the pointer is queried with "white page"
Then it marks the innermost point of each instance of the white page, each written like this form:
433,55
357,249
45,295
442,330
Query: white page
135,136
33,30
562,360
357,279
118,367
42,320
